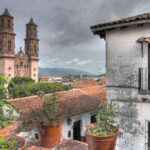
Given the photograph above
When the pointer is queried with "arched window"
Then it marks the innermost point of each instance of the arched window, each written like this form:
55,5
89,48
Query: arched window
28,49
9,45
2,23
1,47
8,24
34,50
29,32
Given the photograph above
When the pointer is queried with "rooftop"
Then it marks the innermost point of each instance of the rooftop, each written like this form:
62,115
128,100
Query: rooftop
138,19
71,102
85,83
6,13
65,144
31,22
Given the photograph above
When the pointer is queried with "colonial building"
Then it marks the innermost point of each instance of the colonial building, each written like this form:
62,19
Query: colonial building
128,77
22,63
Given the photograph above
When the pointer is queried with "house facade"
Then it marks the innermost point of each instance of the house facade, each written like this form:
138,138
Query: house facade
128,77
22,63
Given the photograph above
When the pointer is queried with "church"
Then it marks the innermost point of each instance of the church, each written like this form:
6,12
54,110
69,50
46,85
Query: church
23,63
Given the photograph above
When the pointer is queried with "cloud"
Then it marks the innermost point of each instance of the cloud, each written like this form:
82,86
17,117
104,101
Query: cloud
64,31
76,62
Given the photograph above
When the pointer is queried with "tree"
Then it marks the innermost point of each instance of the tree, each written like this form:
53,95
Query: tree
3,91
19,87
4,120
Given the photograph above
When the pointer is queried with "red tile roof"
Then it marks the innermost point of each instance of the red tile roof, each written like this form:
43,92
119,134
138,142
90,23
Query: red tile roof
142,17
85,83
71,102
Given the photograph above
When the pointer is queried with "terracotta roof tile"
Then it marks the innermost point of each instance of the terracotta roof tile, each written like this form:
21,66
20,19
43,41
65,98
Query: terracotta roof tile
72,102
144,16
85,83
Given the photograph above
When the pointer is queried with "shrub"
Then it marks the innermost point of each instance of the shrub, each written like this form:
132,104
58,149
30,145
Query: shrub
6,144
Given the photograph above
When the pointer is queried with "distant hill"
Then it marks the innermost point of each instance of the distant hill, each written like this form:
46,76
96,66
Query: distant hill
60,72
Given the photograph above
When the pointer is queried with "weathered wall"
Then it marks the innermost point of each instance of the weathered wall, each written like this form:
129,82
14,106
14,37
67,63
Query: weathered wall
134,117
123,58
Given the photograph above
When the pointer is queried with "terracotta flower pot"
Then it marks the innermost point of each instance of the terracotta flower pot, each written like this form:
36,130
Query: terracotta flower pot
107,142
19,138
49,135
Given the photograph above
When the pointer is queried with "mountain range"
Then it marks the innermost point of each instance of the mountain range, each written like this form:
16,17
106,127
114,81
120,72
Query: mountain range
60,72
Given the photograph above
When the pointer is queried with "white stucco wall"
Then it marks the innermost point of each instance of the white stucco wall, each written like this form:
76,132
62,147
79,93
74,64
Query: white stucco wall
85,120
124,55
123,58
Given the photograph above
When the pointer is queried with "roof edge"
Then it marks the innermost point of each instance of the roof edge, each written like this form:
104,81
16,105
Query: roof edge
96,30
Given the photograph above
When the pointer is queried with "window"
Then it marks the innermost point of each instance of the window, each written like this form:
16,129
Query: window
9,68
36,136
28,49
2,23
8,24
21,63
69,134
93,119
29,32
1,45
9,45
34,50
140,81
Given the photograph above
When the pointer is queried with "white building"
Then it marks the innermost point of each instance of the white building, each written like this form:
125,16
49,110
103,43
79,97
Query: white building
128,77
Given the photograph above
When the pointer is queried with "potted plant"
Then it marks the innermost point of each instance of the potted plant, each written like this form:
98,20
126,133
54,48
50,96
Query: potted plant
48,120
12,143
103,134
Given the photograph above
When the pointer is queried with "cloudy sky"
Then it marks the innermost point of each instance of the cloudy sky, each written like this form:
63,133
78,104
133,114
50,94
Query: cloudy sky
65,37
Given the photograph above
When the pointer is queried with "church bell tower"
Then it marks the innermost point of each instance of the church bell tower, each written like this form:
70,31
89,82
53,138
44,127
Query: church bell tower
7,44
32,48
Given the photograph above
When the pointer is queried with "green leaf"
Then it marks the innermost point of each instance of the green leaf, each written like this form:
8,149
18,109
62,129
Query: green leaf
2,140
4,124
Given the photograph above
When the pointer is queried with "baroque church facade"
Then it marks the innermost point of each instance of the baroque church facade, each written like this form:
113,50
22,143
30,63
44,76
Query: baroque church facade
23,63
